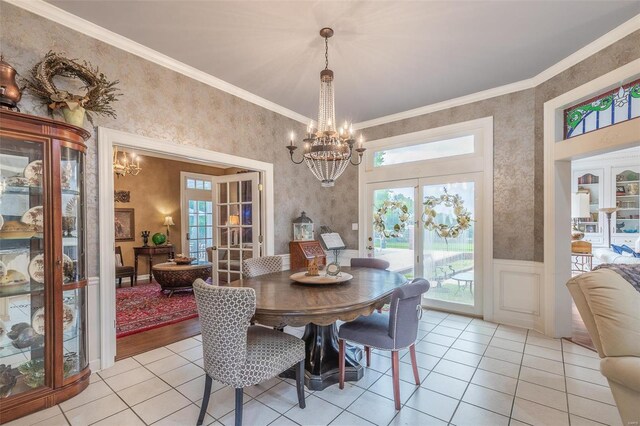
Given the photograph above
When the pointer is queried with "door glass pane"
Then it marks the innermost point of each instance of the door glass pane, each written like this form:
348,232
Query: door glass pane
234,192
246,191
246,214
448,247
23,259
222,193
393,243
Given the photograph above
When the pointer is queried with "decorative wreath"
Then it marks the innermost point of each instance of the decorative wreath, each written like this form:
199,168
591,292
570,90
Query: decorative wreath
100,91
398,228
462,215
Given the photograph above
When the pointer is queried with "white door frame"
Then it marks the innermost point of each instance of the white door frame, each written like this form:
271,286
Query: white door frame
557,187
107,138
480,161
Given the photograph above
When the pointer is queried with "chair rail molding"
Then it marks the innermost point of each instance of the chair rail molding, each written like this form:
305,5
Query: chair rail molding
517,293
107,138
558,154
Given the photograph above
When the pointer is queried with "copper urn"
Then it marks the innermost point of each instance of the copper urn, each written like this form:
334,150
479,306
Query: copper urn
9,91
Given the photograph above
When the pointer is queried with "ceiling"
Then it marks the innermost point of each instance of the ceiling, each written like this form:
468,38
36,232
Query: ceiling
388,56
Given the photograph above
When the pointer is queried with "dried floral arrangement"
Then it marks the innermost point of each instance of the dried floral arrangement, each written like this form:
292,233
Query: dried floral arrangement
101,93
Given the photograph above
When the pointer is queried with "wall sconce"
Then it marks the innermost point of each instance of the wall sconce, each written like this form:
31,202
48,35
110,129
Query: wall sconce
234,219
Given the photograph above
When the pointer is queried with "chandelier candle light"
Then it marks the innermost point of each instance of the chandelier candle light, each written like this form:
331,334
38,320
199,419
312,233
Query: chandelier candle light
122,166
327,151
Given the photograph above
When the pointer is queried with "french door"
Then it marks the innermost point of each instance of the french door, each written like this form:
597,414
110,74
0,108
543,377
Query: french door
197,213
450,261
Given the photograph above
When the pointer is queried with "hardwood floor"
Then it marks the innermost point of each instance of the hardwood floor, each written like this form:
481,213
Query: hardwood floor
141,342
579,334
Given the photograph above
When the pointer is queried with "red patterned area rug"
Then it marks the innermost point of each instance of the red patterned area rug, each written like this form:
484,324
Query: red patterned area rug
144,307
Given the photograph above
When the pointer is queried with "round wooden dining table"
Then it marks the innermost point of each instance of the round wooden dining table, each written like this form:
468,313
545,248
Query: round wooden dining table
281,301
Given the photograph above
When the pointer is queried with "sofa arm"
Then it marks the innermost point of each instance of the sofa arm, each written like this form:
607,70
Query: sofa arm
624,370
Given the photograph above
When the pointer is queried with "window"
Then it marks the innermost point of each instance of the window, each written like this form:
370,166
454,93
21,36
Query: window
609,108
198,184
425,151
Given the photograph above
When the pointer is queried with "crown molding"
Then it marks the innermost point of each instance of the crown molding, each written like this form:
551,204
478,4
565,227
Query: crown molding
590,49
53,13
62,17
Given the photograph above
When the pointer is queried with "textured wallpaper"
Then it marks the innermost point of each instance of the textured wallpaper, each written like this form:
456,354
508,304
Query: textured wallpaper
518,207
165,105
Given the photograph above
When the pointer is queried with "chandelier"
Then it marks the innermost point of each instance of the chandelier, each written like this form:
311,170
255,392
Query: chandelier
123,166
327,151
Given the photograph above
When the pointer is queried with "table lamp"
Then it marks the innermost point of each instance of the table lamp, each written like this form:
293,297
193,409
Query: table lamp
609,211
168,221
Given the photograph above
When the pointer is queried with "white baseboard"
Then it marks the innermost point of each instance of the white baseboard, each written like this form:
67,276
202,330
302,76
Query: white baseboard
95,365
517,293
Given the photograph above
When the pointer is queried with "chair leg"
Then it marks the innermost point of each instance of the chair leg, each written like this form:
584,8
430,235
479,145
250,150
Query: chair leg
341,361
205,399
395,372
239,395
119,282
414,363
300,384
367,351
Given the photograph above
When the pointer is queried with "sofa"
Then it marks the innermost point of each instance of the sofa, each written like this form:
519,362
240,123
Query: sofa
606,255
610,308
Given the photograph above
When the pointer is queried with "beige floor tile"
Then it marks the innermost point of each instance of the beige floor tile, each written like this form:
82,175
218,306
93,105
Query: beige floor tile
551,354
121,366
447,331
182,374
475,337
585,374
542,378
342,397
467,358
425,361
410,417
91,393
454,369
192,354
95,377
454,324
283,421
501,367
594,410
95,411
373,408
495,381
582,361
507,344
280,397
258,389
510,335
154,355
536,414
129,378
194,389
489,399
222,402
184,345
535,338
160,406
438,339
581,421
348,419
470,415
590,390
59,420
142,391
166,364
469,346
542,395
570,347
445,385
253,413
186,416
433,404
406,372
480,329
431,348
318,411
36,417
123,418
384,387
370,377
543,364
503,355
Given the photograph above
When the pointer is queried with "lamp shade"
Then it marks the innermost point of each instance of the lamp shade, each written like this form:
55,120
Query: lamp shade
580,205
234,219
168,221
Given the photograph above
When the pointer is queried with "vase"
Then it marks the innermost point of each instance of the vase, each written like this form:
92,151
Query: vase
74,116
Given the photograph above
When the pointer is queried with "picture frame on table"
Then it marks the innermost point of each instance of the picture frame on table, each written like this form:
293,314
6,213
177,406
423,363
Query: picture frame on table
620,190
125,224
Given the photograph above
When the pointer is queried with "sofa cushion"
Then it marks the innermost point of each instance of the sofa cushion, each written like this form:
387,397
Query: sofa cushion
624,370
614,304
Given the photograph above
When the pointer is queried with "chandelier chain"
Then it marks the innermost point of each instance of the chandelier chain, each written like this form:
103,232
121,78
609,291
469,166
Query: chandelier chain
326,53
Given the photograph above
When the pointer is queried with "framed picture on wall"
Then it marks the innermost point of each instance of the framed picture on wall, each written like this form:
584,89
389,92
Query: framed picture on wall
125,224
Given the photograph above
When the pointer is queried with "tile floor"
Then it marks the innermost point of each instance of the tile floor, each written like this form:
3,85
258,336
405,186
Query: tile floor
473,373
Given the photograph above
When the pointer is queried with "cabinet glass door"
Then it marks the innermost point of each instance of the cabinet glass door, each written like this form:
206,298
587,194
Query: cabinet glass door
627,218
73,263
24,291
590,183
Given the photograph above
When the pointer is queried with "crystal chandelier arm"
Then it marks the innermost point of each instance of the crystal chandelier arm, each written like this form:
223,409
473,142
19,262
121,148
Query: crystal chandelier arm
292,149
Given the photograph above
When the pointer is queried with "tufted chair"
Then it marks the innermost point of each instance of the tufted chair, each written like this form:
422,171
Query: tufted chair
261,265
369,262
236,353
391,332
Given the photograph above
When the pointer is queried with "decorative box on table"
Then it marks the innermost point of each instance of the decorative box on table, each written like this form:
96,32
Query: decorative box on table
303,252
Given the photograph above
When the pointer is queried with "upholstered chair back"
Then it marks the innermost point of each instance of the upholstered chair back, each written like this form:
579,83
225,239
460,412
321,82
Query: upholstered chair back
369,262
225,314
406,311
261,266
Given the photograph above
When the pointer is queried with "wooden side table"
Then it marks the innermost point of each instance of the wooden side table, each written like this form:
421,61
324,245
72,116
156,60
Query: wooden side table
150,251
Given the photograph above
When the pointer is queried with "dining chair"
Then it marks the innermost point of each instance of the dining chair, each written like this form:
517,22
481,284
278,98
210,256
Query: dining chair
369,262
391,332
123,271
236,353
261,265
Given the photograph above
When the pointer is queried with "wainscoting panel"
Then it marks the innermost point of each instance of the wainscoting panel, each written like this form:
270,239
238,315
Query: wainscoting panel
517,293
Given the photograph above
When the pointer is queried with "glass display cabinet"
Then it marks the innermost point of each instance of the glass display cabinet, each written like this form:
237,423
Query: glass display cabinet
43,272
627,193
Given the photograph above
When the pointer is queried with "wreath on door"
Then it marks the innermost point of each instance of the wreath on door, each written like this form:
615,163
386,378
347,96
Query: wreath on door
461,214
387,207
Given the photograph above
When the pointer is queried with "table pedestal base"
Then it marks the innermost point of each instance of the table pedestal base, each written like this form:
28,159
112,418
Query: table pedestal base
321,364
